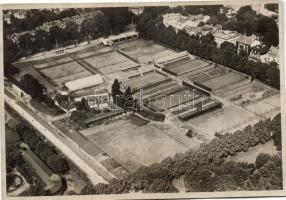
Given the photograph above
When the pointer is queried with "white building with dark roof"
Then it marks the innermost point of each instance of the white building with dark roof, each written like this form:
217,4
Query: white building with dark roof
85,82
225,36
244,43
271,56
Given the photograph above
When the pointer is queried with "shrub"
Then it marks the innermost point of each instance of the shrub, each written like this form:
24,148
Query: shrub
261,159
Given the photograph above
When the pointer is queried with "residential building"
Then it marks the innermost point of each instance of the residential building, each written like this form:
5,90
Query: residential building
258,51
210,29
180,22
271,56
244,43
136,10
222,36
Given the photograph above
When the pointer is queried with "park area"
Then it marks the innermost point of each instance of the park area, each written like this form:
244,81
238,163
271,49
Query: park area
145,51
133,141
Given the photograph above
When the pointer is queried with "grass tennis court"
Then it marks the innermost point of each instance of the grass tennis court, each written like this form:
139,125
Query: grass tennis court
109,62
133,145
55,62
142,81
224,80
146,52
179,68
221,120
65,72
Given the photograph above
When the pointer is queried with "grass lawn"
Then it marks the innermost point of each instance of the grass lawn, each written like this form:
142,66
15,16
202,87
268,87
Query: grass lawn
133,144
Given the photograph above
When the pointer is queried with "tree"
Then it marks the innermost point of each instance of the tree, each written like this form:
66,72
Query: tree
44,151
11,51
104,25
57,164
273,76
71,31
88,28
244,13
26,43
41,40
31,85
129,103
267,27
57,35
228,46
261,159
276,130
115,90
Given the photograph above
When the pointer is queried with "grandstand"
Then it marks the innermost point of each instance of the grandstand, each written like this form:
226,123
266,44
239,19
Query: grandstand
200,109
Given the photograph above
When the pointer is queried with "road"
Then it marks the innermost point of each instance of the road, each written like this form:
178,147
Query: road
55,136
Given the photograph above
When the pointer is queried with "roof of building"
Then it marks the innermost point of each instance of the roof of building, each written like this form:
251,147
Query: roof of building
261,49
273,51
40,167
246,39
84,82
122,35
226,35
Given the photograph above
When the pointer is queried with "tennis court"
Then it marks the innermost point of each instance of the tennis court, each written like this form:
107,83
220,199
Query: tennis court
65,72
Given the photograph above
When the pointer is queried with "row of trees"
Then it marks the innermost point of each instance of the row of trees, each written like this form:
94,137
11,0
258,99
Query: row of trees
45,152
113,21
34,18
206,169
264,175
152,28
123,100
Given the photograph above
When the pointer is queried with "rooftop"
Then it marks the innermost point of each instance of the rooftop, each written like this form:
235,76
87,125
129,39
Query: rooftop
246,39
226,35
84,82
273,51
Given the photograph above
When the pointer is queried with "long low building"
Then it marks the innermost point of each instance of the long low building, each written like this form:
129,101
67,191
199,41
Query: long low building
123,37
85,82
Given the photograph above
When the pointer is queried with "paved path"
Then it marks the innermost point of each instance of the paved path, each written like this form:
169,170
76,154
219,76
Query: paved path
55,136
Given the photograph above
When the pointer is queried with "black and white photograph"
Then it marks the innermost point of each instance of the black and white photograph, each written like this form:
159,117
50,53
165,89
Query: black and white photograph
143,100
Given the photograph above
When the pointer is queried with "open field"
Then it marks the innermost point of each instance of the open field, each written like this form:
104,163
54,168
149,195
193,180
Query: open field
253,152
267,107
133,145
220,120
145,51
251,93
